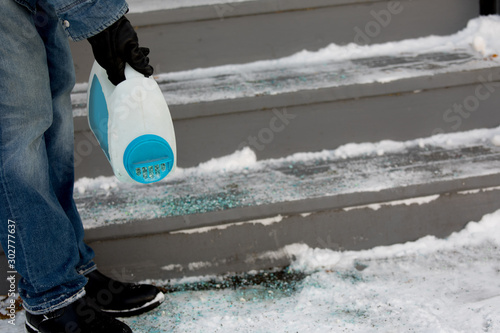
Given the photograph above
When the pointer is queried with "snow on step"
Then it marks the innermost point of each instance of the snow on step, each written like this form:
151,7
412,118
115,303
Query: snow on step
240,181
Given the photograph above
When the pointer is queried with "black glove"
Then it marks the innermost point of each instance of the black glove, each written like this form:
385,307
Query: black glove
118,45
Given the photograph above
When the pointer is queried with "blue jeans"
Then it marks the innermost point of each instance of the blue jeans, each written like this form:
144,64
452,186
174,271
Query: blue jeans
36,158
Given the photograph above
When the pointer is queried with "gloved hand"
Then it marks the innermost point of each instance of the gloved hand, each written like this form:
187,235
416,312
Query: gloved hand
118,45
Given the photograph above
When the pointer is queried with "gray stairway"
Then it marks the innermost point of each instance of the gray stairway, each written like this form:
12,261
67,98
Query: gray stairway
240,219
214,222
326,98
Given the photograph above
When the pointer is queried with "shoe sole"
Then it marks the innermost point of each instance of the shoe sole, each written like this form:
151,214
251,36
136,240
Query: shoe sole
30,329
160,297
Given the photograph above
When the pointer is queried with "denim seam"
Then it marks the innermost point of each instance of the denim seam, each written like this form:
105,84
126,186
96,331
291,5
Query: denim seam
27,5
70,6
100,28
90,267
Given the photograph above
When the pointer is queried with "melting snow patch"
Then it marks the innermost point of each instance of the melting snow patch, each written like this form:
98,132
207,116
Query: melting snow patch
199,265
265,222
172,267
494,188
407,202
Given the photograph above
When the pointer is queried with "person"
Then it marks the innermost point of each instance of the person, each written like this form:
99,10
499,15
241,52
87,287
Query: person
61,288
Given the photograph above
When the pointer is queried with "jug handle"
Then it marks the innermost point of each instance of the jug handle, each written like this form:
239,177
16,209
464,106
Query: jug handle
131,73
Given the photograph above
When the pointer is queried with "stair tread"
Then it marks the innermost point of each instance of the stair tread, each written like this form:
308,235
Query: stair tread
303,177
265,79
298,77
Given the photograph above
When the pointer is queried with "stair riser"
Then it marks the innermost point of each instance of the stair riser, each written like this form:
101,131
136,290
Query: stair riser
232,249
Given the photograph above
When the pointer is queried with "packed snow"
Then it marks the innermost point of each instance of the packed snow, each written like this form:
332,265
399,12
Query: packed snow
430,285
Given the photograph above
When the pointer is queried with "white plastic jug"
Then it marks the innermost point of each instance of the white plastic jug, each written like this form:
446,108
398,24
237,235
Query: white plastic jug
132,124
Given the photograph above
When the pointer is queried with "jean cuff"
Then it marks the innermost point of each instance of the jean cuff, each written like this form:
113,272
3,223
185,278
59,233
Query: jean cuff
65,301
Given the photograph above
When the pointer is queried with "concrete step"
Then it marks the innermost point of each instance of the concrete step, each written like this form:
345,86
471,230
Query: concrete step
213,219
193,36
288,107
235,220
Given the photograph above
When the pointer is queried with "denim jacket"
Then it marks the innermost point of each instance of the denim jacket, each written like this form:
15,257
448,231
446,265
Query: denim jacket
82,18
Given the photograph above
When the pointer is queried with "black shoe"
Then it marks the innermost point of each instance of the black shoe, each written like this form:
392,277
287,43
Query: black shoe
121,299
76,317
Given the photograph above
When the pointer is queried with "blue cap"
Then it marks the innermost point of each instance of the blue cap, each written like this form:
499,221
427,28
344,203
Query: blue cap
148,158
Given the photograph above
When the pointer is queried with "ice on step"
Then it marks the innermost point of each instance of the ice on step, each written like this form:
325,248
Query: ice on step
239,180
